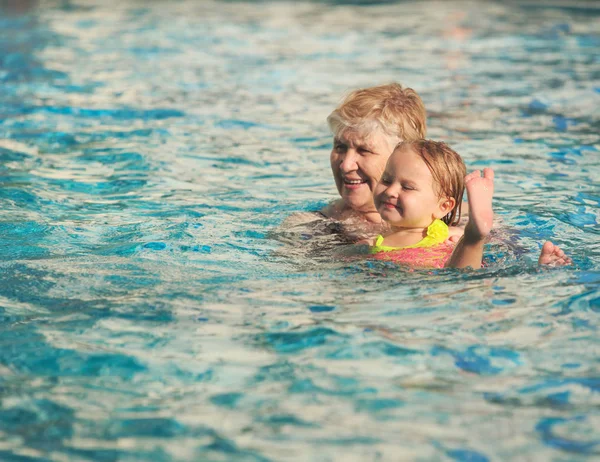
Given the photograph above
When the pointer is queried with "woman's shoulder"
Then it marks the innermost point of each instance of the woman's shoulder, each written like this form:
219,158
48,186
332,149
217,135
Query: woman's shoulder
331,212
334,210
302,218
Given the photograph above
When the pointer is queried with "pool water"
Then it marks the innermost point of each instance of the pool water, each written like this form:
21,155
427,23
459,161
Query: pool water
151,308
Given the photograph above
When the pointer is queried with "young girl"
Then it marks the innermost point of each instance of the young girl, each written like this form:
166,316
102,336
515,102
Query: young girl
420,195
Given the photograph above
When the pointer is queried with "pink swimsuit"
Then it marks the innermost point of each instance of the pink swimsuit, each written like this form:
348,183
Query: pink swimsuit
430,252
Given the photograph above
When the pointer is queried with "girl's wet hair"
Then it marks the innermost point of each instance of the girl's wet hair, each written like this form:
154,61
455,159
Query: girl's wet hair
398,111
447,169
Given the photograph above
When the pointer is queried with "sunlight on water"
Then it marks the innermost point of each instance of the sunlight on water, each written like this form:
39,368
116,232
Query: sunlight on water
151,309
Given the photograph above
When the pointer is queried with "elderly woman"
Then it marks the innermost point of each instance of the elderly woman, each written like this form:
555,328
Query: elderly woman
366,127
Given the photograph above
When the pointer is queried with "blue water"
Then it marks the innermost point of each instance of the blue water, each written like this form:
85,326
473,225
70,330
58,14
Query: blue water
152,310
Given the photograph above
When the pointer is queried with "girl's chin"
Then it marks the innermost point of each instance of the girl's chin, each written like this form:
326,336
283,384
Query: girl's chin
390,215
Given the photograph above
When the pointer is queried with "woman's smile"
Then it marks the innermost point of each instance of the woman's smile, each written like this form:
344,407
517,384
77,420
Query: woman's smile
354,183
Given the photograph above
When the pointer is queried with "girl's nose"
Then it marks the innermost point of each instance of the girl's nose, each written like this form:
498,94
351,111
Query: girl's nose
392,190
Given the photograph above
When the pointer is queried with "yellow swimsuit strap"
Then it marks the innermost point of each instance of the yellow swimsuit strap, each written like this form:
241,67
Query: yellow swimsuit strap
437,233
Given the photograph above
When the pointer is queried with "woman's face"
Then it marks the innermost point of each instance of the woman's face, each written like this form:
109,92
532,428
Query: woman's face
357,163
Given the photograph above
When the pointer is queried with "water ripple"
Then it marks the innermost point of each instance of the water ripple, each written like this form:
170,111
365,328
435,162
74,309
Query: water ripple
153,309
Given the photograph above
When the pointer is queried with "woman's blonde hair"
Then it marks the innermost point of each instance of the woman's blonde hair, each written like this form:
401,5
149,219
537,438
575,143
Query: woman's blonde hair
447,169
397,110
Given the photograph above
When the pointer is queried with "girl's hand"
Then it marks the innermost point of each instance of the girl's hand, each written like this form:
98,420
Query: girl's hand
367,242
480,190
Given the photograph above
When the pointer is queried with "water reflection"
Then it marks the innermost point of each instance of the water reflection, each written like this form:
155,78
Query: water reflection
149,153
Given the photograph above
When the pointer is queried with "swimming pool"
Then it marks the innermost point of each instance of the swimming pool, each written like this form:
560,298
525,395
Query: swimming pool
149,151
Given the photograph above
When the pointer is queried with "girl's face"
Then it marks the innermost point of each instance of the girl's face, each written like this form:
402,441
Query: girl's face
357,162
406,196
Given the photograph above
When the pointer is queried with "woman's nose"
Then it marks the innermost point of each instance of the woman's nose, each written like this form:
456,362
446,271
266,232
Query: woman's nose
349,161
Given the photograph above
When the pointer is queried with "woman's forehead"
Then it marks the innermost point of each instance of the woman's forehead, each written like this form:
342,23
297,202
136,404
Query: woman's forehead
374,137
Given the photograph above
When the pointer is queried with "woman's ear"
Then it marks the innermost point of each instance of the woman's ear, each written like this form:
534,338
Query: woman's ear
446,205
